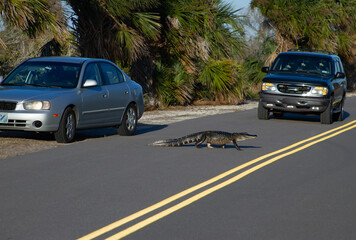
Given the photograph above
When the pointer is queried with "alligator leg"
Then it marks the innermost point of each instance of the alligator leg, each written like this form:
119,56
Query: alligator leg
199,142
236,146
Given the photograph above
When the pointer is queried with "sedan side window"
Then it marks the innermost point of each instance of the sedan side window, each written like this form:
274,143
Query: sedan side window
121,77
111,74
92,72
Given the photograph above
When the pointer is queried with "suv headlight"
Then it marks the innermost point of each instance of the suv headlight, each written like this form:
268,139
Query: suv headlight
319,91
37,105
269,87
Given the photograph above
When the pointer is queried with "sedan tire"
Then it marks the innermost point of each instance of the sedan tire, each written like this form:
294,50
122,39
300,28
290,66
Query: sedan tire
67,127
129,121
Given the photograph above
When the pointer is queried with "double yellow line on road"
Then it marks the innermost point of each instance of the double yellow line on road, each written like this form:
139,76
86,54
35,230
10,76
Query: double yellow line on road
307,143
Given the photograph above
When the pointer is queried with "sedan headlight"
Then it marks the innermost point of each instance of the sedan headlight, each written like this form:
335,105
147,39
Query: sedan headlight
37,105
319,91
269,87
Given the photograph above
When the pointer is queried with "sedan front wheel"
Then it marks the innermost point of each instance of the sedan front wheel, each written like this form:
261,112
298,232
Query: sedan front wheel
67,127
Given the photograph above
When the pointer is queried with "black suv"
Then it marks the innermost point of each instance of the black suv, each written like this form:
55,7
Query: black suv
304,81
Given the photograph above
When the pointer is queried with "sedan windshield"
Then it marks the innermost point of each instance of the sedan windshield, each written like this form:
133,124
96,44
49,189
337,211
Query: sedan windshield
44,74
303,64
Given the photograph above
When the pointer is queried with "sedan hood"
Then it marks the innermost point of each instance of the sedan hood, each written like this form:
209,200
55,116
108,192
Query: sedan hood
19,94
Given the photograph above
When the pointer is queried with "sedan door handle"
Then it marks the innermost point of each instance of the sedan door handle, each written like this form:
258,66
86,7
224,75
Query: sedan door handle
126,92
105,95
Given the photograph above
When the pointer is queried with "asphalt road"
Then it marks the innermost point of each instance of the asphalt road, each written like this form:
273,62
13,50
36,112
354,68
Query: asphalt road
277,187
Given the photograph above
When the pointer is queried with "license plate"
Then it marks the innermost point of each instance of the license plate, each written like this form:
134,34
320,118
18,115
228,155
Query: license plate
3,118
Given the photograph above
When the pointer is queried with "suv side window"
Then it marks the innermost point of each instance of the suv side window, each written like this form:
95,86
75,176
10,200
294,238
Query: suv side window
92,72
111,74
340,66
337,67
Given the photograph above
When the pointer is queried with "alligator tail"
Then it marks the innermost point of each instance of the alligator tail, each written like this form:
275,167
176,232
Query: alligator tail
192,138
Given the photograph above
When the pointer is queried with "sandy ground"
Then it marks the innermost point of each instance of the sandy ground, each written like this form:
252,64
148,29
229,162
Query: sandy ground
183,113
20,143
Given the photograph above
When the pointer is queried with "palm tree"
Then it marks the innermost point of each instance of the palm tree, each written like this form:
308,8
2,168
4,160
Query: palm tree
197,30
32,17
164,44
120,31
322,24
116,30
31,28
206,38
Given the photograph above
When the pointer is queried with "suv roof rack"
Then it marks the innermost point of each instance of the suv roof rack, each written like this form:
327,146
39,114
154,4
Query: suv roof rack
310,50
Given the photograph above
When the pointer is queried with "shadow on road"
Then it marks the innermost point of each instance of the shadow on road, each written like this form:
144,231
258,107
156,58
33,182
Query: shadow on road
215,147
80,135
146,128
303,117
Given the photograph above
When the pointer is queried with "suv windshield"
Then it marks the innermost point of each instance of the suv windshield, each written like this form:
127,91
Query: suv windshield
44,74
303,64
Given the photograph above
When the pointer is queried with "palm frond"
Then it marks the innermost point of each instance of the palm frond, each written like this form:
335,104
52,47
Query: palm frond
131,43
32,17
217,76
311,24
147,23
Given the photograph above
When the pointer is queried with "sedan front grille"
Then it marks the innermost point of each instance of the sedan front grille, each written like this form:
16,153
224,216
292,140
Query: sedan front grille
14,123
7,105
293,89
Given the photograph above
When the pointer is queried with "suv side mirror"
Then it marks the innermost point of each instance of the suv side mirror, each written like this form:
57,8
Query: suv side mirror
265,69
340,75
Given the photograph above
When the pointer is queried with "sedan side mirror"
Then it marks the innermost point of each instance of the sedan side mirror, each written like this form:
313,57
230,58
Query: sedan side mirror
90,83
340,75
265,69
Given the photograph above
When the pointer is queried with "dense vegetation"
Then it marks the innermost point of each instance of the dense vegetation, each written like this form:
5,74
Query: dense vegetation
313,24
180,51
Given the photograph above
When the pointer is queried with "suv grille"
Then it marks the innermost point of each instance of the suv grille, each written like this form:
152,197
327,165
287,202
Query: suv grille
7,105
293,89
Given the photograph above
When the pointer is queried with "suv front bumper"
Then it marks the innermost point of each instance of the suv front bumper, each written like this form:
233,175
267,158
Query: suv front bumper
283,103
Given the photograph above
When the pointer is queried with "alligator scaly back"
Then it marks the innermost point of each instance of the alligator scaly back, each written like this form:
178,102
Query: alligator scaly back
192,138
211,137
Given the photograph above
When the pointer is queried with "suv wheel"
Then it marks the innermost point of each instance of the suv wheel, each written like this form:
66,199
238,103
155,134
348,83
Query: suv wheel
326,117
340,115
263,113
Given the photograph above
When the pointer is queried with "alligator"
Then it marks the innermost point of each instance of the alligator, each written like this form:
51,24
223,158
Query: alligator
211,137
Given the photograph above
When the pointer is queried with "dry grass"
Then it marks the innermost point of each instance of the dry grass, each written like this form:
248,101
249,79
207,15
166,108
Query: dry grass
17,143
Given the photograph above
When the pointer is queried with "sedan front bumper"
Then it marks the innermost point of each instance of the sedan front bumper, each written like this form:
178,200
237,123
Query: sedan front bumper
30,121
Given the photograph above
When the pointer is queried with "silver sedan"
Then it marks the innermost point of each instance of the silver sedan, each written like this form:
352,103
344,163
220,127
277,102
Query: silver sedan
62,94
